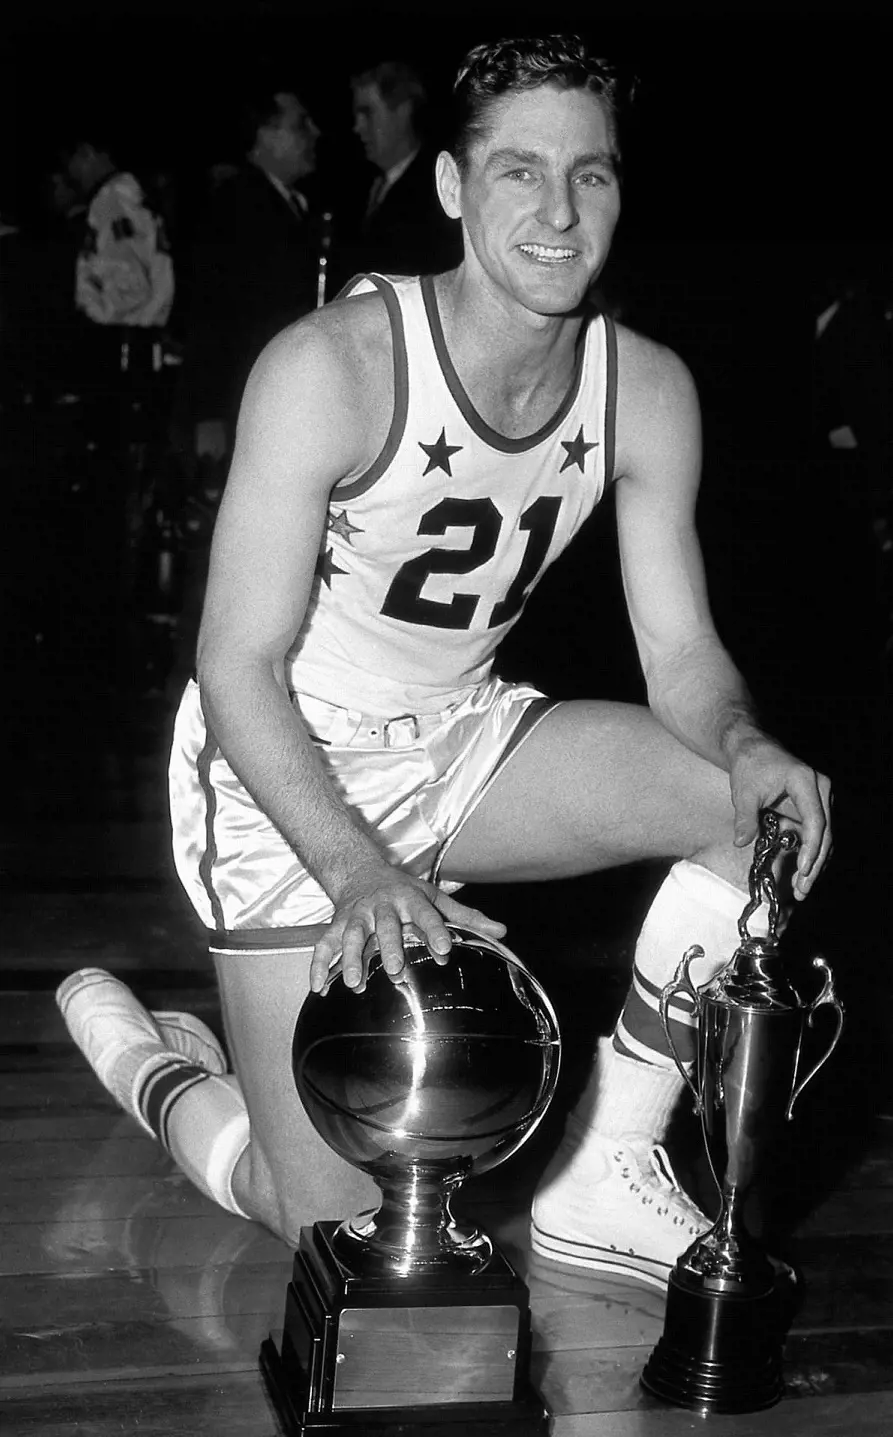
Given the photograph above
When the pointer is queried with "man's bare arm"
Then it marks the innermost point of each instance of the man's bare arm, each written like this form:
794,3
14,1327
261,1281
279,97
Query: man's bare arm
307,422
694,687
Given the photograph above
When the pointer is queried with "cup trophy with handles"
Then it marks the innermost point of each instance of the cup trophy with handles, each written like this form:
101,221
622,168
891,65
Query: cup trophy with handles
721,1349
406,1319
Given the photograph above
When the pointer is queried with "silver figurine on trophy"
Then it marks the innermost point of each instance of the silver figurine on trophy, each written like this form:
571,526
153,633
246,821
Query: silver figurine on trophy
721,1349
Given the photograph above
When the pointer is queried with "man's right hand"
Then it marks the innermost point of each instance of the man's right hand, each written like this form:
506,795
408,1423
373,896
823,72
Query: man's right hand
210,439
382,906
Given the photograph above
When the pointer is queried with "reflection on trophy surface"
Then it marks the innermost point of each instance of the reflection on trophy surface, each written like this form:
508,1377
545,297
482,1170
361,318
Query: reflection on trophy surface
722,1342
405,1313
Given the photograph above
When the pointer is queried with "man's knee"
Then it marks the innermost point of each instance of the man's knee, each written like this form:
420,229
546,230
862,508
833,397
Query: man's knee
720,854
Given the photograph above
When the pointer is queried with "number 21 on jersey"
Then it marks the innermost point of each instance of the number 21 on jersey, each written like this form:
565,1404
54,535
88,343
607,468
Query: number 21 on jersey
404,599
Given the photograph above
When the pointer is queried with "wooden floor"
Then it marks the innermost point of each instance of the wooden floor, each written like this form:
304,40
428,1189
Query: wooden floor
130,1304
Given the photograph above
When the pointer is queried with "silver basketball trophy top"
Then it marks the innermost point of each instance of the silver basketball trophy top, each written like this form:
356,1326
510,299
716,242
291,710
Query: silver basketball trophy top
422,1083
721,1349
406,1319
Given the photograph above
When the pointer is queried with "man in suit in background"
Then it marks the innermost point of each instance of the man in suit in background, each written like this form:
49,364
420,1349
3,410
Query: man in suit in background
254,271
403,229
254,267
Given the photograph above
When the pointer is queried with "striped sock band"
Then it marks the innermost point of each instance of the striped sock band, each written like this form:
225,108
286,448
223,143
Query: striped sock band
639,1033
692,906
160,1086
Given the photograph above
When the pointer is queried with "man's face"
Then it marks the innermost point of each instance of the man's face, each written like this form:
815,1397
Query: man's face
540,198
288,141
385,134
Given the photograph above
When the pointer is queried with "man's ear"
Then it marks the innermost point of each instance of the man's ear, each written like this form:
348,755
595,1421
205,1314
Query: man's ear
446,176
405,111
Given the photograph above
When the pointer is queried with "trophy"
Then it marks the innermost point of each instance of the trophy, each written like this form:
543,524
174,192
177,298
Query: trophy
723,1332
407,1319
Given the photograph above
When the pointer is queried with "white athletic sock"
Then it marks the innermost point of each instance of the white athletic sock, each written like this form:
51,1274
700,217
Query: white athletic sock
186,1034
199,1117
692,905
625,1098
635,1084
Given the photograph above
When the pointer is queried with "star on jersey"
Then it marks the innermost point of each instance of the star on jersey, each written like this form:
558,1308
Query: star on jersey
326,567
577,450
341,525
439,454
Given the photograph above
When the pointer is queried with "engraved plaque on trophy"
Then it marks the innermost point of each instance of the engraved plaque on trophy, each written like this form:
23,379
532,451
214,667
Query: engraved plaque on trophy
721,1349
406,1320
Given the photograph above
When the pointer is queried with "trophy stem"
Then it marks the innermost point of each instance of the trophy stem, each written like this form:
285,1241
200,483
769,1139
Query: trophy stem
413,1232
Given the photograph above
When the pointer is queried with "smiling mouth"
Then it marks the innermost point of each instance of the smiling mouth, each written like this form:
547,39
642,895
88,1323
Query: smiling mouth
548,254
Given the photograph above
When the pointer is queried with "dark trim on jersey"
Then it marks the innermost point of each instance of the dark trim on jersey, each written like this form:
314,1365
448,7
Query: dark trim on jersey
610,399
260,940
480,426
347,290
353,487
209,857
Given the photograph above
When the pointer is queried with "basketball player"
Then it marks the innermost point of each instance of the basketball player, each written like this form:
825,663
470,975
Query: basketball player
409,461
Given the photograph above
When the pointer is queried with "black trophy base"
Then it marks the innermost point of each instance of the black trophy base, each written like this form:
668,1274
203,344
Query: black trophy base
440,1356
718,1352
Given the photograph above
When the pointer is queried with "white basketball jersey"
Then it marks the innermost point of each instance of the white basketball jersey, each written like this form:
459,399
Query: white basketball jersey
430,556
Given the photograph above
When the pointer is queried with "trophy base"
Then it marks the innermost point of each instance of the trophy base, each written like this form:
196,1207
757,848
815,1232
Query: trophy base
439,1356
718,1352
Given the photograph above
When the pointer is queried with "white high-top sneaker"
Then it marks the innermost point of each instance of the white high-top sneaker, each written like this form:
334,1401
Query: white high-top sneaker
620,1210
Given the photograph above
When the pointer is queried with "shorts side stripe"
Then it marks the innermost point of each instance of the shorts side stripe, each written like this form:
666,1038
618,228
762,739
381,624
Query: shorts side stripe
209,857
530,719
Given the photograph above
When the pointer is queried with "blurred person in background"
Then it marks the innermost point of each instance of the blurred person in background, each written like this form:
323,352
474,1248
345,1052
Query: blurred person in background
402,228
254,266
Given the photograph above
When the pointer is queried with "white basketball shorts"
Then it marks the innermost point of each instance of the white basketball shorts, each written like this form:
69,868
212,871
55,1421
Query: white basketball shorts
414,778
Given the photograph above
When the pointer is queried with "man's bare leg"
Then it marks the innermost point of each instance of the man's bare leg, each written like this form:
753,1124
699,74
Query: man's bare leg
288,1177
242,1138
596,785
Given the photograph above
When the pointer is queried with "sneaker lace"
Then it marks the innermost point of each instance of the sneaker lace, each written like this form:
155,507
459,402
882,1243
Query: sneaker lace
649,1186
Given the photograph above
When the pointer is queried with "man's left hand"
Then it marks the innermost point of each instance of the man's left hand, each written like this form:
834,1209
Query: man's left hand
764,775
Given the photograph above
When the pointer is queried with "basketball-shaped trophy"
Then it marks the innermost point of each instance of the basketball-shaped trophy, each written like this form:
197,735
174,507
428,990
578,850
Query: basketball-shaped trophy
405,1319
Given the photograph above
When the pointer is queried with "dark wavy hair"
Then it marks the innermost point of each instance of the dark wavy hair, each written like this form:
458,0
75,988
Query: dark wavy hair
508,67
396,82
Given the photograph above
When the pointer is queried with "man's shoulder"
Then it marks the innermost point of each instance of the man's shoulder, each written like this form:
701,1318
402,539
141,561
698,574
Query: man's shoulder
344,348
658,422
647,368
357,324
327,380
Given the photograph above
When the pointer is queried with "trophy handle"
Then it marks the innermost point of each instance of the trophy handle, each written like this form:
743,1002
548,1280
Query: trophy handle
682,984
827,996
